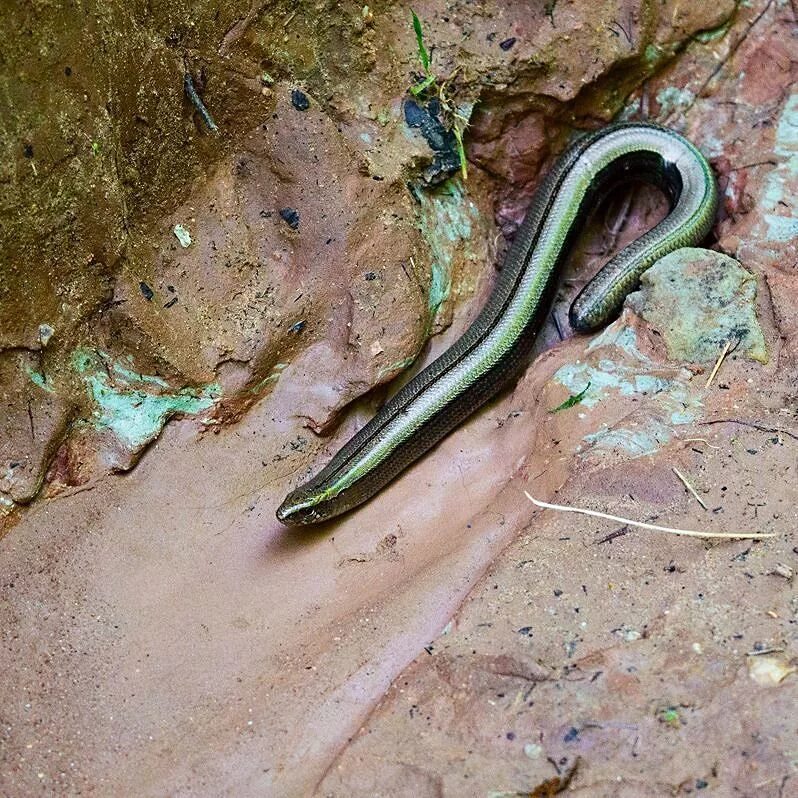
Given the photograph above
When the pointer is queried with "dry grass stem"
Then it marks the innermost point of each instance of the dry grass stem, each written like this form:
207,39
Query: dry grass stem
700,440
718,364
687,485
691,533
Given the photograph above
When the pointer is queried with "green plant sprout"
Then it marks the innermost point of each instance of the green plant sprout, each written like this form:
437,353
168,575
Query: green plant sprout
458,122
423,55
571,400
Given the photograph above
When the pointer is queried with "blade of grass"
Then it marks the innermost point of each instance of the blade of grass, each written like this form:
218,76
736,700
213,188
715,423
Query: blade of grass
422,51
419,87
458,134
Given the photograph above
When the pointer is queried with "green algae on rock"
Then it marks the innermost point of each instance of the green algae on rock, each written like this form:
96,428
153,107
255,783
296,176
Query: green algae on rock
135,406
624,370
446,223
698,300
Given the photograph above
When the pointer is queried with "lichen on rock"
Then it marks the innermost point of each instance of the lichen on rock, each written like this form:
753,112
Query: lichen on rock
700,300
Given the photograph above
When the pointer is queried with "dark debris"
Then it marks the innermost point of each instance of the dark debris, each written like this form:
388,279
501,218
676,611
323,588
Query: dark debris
291,217
146,291
442,142
300,100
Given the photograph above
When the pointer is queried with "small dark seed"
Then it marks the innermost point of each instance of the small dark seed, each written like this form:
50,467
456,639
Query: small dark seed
507,43
172,301
146,291
67,71
28,150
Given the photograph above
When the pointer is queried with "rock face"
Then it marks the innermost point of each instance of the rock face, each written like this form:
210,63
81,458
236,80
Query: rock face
258,285
149,234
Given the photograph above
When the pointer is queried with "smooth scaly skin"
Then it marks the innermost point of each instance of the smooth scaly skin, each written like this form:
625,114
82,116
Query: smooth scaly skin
496,347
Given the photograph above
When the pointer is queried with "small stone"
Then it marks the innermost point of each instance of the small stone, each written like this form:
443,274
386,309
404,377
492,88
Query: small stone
698,301
627,633
45,334
533,750
300,100
784,571
769,670
183,236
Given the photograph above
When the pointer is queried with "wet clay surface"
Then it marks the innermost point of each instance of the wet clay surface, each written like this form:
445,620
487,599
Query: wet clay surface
163,634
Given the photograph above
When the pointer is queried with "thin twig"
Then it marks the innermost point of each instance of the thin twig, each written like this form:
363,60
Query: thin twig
718,364
701,440
624,530
768,162
690,533
760,427
687,485
773,650
732,50
557,324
